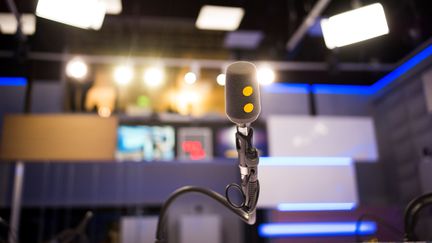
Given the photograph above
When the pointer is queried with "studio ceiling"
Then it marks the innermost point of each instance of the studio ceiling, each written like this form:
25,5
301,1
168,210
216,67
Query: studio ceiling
166,28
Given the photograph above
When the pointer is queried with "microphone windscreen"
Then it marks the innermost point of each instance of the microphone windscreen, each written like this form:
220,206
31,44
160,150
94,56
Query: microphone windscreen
242,94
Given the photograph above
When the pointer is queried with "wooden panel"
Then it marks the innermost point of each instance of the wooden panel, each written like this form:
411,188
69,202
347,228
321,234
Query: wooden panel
58,137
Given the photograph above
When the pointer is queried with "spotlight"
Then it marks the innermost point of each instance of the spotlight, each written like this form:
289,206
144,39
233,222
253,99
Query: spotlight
154,76
77,69
266,75
190,78
220,79
123,75
354,26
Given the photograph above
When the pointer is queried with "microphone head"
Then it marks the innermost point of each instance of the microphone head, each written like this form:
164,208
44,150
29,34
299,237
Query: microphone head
242,94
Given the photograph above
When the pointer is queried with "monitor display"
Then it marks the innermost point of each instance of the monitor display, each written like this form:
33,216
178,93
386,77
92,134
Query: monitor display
323,136
225,142
195,143
145,143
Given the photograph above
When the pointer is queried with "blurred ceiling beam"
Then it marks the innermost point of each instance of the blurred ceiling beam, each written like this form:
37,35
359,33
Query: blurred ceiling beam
13,8
298,35
204,63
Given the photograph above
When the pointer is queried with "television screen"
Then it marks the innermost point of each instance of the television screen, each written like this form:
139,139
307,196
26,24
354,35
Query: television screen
145,143
323,136
225,142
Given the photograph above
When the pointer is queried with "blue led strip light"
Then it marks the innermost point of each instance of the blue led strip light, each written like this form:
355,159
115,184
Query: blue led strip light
296,207
342,89
353,89
312,229
283,88
13,81
305,161
402,69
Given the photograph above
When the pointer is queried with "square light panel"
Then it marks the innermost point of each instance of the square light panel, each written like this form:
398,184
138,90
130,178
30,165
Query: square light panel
113,6
86,14
219,18
354,26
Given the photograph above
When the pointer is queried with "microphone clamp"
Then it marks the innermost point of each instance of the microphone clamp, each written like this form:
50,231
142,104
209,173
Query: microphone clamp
248,165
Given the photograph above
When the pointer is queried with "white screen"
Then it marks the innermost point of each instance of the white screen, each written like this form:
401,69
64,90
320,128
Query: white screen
352,137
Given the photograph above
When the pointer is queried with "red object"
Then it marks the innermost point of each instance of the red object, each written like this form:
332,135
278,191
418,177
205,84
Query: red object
194,149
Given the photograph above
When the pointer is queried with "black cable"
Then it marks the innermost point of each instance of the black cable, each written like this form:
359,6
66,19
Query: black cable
238,188
411,215
247,216
11,232
2,239
253,194
69,235
379,220
249,188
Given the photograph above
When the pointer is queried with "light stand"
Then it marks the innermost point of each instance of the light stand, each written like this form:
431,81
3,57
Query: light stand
249,188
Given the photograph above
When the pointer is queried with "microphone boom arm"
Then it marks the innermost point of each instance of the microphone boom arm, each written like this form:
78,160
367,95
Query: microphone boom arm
248,164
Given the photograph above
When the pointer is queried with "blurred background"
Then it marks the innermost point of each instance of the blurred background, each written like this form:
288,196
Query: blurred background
108,106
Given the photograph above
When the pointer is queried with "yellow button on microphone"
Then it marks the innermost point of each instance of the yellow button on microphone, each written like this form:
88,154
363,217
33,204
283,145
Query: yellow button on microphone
247,91
248,108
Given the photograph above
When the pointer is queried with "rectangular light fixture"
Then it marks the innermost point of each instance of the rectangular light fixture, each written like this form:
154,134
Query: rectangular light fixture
86,14
309,207
219,18
9,24
354,26
312,229
113,6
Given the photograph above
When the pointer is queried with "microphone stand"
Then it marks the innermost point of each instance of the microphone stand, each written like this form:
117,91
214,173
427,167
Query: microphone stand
75,234
249,188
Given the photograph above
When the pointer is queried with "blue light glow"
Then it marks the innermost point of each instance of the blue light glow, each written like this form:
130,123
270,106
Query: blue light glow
316,229
296,207
341,89
283,88
306,161
280,88
402,69
13,81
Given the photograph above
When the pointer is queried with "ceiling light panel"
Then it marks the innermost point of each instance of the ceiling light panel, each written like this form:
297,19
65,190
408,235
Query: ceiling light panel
113,6
219,18
86,14
354,26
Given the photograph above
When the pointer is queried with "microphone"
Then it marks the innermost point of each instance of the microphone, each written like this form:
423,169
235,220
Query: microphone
242,94
243,106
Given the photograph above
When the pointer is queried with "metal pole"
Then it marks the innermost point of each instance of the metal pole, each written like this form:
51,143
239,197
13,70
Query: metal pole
16,202
307,23
19,167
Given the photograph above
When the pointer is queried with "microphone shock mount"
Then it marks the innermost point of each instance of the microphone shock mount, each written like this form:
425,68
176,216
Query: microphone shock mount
249,188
